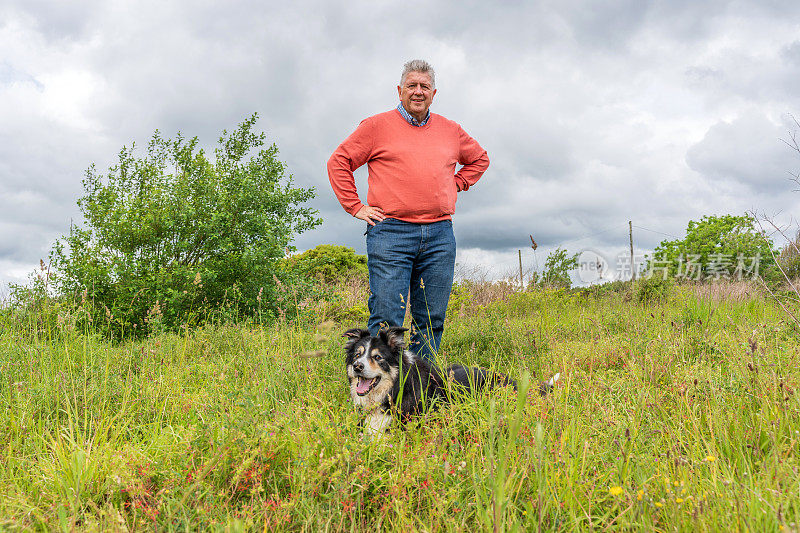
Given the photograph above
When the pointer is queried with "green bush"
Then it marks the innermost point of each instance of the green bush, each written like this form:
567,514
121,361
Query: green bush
653,289
557,268
329,263
716,247
622,287
792,267
789,258
175,237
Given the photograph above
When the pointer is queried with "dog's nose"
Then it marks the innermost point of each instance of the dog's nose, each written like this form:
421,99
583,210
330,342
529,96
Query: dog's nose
358,366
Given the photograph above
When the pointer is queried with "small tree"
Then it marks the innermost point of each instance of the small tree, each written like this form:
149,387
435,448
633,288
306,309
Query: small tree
328,262
557,268
724,246
174,234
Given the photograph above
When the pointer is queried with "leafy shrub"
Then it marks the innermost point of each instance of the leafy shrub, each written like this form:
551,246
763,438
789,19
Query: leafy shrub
789,258
329,263
599,290
652,289
716,247
173,236
557,268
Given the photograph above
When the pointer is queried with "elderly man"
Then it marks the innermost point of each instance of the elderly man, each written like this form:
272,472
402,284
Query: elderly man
411,154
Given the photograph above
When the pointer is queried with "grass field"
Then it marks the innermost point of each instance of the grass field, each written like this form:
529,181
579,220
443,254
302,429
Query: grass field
675,415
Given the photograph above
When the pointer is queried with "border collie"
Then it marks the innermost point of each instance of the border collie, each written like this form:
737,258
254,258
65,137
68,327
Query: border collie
385,377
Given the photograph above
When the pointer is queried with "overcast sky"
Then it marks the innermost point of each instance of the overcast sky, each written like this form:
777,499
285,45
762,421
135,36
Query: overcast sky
593,113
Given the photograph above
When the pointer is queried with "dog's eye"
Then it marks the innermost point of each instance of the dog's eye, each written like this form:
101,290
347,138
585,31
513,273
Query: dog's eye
376,357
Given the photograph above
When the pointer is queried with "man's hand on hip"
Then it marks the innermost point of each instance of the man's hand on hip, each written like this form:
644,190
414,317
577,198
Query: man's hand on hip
369,214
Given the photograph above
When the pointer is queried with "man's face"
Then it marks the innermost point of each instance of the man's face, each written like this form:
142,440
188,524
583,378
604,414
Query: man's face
416,94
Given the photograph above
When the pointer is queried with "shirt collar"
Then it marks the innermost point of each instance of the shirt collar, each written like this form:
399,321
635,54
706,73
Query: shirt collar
411,120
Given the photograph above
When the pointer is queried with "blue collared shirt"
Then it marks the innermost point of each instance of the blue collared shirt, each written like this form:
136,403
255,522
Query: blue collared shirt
411,120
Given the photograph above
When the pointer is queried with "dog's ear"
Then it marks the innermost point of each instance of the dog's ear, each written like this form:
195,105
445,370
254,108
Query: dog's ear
393,337
354,335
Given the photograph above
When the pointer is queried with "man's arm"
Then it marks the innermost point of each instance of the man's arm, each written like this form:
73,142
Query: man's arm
351,154
474,159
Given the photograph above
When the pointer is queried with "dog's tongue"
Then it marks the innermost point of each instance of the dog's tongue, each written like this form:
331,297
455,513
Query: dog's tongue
364,385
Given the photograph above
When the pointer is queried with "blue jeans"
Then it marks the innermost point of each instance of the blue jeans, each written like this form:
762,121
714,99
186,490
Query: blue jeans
420,257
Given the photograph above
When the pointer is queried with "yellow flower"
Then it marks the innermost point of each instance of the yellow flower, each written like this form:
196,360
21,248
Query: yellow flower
615,491
679,500
639,495
780,527
658,504
711,458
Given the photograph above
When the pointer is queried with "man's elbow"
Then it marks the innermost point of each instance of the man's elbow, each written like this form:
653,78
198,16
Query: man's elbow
334,162
481,163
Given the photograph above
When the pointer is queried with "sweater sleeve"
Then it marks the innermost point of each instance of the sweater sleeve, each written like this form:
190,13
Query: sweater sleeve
351,154
474,159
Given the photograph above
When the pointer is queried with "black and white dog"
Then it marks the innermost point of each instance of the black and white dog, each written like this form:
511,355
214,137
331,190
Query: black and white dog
385,377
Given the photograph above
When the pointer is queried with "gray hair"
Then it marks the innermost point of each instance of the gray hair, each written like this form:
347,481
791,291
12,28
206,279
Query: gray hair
418,65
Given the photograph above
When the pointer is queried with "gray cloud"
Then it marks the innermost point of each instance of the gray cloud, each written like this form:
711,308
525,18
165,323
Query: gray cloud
747,151
593,115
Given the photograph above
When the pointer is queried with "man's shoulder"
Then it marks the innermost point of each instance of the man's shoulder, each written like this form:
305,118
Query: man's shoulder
382,118
444,121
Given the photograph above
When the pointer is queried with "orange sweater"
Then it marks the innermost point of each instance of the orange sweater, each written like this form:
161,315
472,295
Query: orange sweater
412,169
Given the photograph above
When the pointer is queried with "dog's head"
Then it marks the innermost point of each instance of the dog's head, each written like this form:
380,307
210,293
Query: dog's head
373,363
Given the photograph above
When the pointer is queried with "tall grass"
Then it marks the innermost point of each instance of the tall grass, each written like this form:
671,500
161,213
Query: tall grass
679,414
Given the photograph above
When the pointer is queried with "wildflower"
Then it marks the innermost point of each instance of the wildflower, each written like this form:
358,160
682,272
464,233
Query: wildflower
710,458
615,491
679,500
659,505
639,495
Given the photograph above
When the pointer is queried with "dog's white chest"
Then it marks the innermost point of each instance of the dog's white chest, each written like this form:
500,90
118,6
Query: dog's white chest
377,424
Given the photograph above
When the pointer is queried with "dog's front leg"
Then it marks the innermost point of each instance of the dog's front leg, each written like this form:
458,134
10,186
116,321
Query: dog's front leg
376,424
